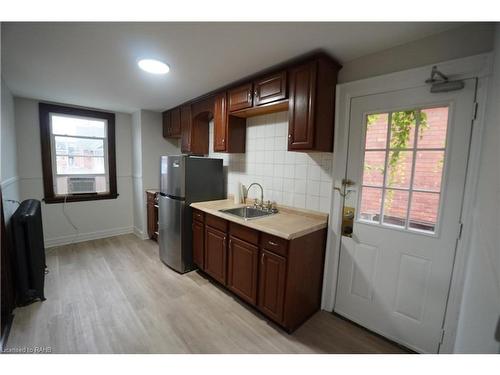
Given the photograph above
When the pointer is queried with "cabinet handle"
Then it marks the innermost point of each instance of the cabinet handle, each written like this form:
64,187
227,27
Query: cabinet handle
262,258
255,93
272,243
249,95
223,140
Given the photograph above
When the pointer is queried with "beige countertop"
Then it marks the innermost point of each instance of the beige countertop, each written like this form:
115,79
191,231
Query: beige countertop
288,223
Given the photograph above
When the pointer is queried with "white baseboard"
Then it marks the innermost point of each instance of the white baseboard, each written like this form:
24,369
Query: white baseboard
139,233
64,240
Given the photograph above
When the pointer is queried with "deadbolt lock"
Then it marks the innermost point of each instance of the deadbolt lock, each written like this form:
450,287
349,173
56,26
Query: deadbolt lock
347,221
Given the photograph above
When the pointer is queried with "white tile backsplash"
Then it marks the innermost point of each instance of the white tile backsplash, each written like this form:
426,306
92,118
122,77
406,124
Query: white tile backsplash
296,179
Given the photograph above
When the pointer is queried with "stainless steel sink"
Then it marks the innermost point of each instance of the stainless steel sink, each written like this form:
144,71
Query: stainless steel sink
247,213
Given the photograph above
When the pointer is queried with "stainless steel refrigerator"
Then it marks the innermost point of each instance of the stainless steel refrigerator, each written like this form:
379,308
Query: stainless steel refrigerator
184,180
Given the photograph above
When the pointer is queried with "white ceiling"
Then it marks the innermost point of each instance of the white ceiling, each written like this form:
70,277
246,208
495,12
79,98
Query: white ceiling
94,64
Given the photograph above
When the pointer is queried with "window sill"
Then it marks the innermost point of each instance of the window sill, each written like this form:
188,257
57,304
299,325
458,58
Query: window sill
79,198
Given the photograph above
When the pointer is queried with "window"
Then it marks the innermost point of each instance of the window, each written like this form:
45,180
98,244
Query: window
403,167
78,154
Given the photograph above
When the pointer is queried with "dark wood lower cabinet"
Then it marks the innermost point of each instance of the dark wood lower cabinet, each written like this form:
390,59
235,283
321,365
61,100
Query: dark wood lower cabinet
215,254
281,278
243,269
272,284
152,214
198,244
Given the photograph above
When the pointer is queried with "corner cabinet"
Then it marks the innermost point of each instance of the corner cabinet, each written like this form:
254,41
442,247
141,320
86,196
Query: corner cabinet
280,278
311,105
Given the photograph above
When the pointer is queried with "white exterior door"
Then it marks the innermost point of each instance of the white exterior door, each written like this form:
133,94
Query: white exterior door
407,158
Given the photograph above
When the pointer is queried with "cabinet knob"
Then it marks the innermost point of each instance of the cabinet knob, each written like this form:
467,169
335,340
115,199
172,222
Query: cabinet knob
223,140
289,137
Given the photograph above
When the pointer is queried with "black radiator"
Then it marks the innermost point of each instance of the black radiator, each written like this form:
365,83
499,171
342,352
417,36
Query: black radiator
29,252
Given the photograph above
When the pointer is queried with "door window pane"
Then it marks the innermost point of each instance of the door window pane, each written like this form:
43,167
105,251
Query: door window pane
411,165
399,169
370,204
428,170
395,207
373,169
403,129
376,131
424,211
432,131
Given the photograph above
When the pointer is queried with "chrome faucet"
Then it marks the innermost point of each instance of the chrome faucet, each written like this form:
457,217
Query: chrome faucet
261,192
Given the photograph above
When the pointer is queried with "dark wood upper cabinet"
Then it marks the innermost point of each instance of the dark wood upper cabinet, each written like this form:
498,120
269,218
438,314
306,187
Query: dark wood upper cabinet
172,123
220,122
301,106
186,121
272,284
215,254
175,122
166,124
243,269
305,87
229,131
198,244
311,105
240,97
270,88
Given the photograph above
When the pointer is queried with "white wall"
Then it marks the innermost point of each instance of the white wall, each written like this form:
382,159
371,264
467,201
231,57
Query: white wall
480,309
94,219
296,179
9,174
470,39
148,146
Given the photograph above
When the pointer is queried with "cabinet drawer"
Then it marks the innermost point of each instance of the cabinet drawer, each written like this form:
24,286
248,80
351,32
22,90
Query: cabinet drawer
244,233
198,215
274,244
216,222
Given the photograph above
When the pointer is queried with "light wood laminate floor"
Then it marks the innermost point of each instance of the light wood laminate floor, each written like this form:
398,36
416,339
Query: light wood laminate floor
114,295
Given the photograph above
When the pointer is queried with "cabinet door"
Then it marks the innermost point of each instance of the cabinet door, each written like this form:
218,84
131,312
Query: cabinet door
302,91
215,254
220,122
242,269
198,242
272,284
270,89
186,129
240,97
175,120
167,127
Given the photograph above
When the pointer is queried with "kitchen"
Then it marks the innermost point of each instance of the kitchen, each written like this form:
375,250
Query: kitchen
303,203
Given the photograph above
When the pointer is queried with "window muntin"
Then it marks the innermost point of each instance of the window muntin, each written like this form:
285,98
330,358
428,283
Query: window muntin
401,184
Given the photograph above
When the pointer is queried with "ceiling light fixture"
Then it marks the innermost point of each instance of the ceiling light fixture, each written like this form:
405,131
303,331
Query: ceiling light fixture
153,66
